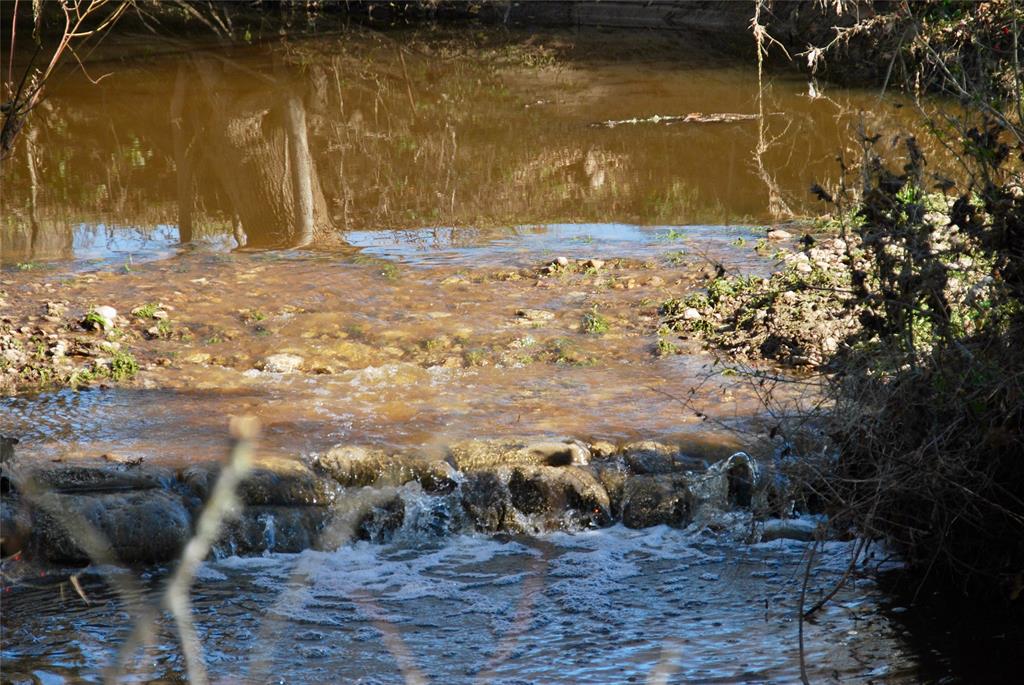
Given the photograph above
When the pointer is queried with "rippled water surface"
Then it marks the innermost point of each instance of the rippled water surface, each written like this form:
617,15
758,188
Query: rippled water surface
614,605
447,169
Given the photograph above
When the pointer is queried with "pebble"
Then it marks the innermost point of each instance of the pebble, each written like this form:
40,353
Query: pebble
282,363
535,314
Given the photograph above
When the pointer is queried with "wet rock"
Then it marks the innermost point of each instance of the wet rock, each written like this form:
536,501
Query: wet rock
654,500
488,503
352,354
15,525
564,496
7,449
479,454
602,449
729,483
381,521
612,477
261,529
535,315
801,529
137,527
779,234
354,466
271,482
649,457
595,264
93,477
101,318
282,363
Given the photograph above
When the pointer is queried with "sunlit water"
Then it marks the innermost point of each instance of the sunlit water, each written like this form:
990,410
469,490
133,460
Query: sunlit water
476,153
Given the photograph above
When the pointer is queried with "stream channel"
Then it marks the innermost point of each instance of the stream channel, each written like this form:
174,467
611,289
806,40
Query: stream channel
451,169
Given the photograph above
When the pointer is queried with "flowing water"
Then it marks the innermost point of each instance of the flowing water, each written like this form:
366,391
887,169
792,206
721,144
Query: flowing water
447,167
614,605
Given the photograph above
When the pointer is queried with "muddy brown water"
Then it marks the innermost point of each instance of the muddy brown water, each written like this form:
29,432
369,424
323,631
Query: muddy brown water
446,168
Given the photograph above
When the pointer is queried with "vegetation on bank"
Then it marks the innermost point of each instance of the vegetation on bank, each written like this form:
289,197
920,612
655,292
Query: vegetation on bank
912,311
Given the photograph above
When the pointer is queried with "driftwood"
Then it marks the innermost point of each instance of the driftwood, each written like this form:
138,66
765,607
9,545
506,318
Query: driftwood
692,118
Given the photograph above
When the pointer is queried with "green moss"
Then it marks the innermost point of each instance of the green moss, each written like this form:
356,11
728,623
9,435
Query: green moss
95,320
146,311
594,323
123,366
666,348
475,357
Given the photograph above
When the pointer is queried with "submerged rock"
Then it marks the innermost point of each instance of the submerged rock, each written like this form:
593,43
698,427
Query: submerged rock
282,363
15,525
729,483
381,521
535,315
92,477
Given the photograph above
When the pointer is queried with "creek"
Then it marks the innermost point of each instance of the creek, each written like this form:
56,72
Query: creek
450,170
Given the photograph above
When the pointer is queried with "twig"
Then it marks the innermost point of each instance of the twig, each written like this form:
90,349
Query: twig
800,614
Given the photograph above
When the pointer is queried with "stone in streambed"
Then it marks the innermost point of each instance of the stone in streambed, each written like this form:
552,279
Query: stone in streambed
535,315
649,457
356,466
92,477
487,502
15,524
655,500
148,526
563,496
102,318
262,529
480,454
380,523
271,482
282,363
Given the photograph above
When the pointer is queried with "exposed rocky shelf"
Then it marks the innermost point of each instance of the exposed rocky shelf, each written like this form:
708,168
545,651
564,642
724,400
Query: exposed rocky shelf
518,486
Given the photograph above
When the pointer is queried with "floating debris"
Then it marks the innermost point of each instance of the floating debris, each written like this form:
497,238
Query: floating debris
691,118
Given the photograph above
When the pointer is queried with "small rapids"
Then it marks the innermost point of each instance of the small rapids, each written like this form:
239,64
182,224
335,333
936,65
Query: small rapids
606,605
